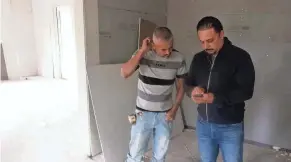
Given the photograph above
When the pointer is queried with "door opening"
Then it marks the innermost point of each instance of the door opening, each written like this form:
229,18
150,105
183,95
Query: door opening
64,60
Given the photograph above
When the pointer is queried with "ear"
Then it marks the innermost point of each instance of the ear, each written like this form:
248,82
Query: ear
221,35
152,46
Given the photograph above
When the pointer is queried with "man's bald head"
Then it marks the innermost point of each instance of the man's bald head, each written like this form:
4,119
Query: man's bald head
163,41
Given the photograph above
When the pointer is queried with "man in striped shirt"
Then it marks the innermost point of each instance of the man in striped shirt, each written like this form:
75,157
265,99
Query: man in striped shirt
160,67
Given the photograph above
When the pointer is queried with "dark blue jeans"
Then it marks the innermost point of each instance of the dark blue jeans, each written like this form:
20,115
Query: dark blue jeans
226,137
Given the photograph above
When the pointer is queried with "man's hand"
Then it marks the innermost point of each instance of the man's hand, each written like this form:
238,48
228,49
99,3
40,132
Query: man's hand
171,114
198,100
146,46
197,91
128,68
195,95
199,96
208,97
205,98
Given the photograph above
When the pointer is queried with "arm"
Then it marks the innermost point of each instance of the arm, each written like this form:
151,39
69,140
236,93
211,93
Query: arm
180,94
181,73
128,68
179,97
245,78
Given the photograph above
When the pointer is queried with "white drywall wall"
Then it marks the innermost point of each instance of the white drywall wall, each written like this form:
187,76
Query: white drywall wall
18,39
81,79
45,30
261,28
44,35
118,24
0,39
91,29
111,27
91,18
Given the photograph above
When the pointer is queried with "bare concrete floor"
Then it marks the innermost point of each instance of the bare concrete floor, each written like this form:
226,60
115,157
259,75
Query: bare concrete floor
39,122
184,149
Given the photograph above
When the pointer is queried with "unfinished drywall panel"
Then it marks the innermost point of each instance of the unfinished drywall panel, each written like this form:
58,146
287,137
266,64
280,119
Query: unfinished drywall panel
3,69
146,29
260,28
82,82
111,108
54,58
43,18
18,39
110,23
113,100
45,30
91,29
1,49
91,18
269,6
149,6
118,30
95,140
268,113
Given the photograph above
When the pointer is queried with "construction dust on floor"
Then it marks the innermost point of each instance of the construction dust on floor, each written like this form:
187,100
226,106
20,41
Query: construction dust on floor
183,148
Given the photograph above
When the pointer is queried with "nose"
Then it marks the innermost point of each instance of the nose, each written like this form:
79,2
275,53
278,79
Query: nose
167,52
205,45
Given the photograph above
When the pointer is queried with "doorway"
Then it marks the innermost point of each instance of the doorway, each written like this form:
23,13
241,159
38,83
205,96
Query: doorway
64,60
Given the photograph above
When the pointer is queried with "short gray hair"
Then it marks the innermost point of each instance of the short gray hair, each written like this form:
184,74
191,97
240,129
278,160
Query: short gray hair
163,33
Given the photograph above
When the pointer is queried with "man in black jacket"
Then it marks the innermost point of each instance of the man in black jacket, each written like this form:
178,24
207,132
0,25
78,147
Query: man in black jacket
221,78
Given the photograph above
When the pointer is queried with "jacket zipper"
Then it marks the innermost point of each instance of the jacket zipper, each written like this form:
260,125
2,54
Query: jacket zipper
208,84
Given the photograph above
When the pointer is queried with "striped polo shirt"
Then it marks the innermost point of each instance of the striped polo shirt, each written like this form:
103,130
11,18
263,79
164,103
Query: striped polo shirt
156,80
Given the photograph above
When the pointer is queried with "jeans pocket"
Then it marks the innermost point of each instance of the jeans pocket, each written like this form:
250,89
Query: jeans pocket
237,125
139,114
233,130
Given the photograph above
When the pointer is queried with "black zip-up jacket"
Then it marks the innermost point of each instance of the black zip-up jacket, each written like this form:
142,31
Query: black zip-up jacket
230,77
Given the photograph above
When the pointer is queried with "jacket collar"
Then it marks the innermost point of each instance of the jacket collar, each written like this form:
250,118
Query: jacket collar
226,46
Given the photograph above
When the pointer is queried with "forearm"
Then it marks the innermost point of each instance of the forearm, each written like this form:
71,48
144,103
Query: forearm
179,97
131,65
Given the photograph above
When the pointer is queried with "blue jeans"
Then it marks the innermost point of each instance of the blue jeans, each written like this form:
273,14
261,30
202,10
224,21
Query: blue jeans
150,124
226,137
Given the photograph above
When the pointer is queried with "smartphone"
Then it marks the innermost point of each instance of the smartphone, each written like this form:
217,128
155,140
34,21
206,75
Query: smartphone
198,95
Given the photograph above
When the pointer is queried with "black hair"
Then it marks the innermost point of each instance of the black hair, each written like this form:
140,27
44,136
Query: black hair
210,22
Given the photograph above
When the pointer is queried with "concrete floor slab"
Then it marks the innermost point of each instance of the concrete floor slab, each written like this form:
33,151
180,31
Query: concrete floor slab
51,130
183,148
40,122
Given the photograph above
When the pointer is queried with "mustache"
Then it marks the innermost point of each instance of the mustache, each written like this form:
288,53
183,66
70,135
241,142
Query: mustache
210,49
